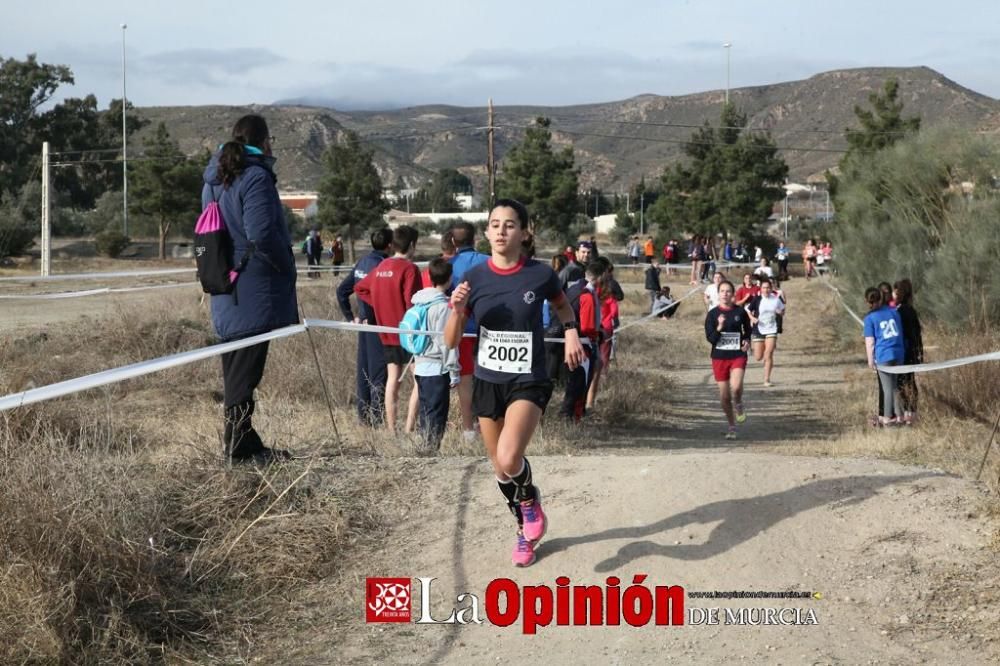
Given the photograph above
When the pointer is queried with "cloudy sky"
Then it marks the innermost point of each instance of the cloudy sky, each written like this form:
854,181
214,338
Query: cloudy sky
380,53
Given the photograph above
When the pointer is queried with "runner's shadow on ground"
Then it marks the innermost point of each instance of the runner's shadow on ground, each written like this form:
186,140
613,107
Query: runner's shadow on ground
739,520
687,428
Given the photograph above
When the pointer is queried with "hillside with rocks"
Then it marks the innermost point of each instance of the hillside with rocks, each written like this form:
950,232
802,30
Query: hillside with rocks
615,143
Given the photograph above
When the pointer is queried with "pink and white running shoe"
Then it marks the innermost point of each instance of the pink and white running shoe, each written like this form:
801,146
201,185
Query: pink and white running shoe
535,522
524,552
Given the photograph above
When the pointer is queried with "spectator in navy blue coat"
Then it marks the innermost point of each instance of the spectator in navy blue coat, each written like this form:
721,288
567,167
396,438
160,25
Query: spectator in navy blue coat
371,370
240,176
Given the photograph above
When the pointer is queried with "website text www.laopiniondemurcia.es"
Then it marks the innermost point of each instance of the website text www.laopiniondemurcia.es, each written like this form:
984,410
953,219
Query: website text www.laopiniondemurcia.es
636,605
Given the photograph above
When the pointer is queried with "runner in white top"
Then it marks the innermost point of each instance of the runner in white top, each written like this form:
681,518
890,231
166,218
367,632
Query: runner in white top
764,269
764,311
712,292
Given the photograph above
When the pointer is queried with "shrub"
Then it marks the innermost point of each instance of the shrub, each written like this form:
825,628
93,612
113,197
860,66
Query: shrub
16,235
19,221
906,213
111,242
626,226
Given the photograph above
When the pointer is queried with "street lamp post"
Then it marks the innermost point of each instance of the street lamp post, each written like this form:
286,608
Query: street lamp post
124,143
728,46
786,214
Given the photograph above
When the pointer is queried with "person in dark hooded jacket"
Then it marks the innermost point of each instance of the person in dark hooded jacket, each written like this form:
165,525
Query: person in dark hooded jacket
371,370
241,178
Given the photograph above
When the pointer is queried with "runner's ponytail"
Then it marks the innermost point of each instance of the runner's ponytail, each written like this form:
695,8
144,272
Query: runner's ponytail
873,297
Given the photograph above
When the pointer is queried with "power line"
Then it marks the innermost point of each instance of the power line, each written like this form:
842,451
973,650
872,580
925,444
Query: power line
86,150
371,138
673,141
735,127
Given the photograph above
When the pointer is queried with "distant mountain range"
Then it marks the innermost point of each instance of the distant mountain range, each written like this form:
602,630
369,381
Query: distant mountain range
616,143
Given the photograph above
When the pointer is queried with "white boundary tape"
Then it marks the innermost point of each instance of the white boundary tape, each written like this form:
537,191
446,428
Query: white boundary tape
91,292
151,273
114,375
920,367
299,268
97,276
137,369
940,365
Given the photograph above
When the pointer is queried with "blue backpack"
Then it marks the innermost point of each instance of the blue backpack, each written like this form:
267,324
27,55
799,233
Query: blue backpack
415,319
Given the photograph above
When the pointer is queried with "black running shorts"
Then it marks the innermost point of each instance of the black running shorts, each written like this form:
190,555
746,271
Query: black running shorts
394,354
491,400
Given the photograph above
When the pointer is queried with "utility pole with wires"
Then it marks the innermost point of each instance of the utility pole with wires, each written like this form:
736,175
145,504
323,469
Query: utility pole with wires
46,210
642,211
491,166
728,46
124,144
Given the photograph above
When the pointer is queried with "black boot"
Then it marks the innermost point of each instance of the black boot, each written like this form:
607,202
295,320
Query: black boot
242,443
241,440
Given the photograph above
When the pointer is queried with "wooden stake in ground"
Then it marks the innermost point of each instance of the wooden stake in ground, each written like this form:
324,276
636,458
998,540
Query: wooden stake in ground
322,382
989,445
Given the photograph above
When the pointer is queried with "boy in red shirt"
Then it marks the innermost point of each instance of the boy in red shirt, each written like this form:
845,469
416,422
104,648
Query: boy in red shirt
389,289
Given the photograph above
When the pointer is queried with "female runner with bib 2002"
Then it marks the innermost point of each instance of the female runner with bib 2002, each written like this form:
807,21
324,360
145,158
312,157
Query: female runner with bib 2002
510,385
727,328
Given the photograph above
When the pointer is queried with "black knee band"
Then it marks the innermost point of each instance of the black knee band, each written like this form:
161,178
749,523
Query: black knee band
509,490
525,489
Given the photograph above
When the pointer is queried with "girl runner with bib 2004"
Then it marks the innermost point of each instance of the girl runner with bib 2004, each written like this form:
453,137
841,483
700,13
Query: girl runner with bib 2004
727,328
764,311
510,384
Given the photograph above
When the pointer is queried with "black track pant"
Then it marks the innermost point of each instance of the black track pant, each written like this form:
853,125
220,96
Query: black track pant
242,371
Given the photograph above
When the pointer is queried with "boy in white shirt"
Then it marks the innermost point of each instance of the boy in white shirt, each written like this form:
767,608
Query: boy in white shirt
436,369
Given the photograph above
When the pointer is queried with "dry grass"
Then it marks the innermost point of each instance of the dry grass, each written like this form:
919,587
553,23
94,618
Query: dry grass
111,557
970,390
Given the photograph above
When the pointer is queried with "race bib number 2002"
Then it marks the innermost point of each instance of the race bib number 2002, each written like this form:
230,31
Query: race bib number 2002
505,351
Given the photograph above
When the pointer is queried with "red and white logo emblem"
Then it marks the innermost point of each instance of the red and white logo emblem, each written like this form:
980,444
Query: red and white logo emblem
387,600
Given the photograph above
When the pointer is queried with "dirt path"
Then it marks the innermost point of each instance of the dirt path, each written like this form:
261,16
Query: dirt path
901,555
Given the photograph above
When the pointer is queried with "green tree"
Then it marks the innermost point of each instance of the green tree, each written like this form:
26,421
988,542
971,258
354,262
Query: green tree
453,181
626,226
728,184
544,180
880,127
438,195
908,211
74,127
166,185
350,191
27,86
